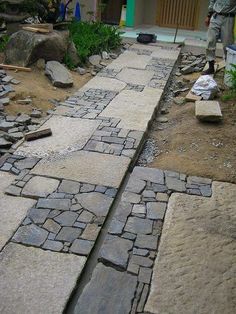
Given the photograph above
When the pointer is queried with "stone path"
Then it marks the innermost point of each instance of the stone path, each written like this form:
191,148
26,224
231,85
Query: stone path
67,183
57,193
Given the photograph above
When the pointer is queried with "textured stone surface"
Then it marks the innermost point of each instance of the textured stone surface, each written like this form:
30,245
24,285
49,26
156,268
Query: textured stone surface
54,203
33,280
82,247
30,235
138,225
39,187
102,295
156,210
96,203
134,76
130,59
68,234
115,251
90,167
58,74
105,83
149,174
129,107
208,111
70,187
12,209
166,54
197,250
68,134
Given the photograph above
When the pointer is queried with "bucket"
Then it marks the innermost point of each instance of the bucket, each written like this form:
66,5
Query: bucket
230,59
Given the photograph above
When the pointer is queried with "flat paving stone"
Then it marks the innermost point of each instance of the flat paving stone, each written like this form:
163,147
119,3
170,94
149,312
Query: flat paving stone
41,277
197,250
149,174
30,235
94,168
68,234
60,204
94,202
12,209
156,210
52,226
37,215
82,247
115,250
70,187
39,187
129,107
109,291
130,59
166,54
105,83
208,111
68,134
66,219
138,225
134,76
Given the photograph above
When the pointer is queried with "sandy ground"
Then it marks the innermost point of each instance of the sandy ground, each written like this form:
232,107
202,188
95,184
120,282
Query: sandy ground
195,148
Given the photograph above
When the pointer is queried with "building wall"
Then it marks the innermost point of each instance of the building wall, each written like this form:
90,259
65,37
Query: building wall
139,12
202,14
150,12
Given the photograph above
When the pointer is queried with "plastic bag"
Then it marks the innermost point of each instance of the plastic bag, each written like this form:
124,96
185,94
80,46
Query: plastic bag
206,87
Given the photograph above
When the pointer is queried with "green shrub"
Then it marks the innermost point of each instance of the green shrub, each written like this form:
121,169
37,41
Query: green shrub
69,62
3,42
231,94
93,37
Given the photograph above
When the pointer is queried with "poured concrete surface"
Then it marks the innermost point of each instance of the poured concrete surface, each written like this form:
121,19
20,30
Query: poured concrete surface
12,209
130,59
195,268
105,83
135,109
135,77
88,167
68,134
36,281
166,53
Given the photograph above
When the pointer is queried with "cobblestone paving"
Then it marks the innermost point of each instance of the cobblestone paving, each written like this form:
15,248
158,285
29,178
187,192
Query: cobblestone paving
69,214
133,236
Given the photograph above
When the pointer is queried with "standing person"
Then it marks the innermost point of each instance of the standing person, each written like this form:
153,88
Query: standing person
220,23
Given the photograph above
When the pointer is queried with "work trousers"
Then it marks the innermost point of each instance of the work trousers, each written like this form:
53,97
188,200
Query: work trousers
220,27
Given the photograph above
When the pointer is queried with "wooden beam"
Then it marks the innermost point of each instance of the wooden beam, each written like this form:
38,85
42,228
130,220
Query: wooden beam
14,67
36,30
34,135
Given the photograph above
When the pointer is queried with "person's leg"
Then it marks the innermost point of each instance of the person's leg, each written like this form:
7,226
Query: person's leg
212,36
227,32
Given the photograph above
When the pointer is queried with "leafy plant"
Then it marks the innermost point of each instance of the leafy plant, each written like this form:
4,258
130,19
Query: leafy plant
93,38
68,62
3,42
231,94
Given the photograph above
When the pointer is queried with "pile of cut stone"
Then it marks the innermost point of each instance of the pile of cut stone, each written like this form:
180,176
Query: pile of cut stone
191,63
13,128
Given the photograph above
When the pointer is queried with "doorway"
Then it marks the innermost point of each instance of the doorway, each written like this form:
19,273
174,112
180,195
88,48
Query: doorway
111,12
183,13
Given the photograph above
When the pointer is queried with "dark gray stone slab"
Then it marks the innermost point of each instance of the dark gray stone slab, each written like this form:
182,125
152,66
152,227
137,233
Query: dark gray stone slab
38,215
68,234
51,226
86,217
123,211
53,245
146,242
175,184
148,174
109,291
138,225
141,252
82,247
156,210
159,188
96,203
60,204
206,190
27,163
31,235
145,275
115,251
13,190
116,227
66,219
141,261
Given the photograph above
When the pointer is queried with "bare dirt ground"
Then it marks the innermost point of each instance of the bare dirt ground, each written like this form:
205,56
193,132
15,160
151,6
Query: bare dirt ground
36,85
186,145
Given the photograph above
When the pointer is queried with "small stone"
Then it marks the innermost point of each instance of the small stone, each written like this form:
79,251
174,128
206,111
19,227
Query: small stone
139,209
36,114
143,299
179,101
95,60
133,269
145,275
53,245
116,227
41,64
52,226
38,216
156,210
4,143
105,55
6,166
38,187
13,190
31,235
61,204
162,197
68,234
81,71
141,261
82,247
66,219
148,174
86,188
27,163
146,242
141,252
76,207
85,217
5,126
23,119
5,101
175,184
162,120
130,197
70,187
138,225
80,225
148,194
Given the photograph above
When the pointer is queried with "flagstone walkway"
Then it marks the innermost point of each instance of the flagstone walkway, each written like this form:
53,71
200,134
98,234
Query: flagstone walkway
57,194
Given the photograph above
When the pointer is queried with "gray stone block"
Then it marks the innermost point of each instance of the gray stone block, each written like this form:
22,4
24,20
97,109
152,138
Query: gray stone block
68,234
70,187
156,210
38,216
53,245
146,242
52,226
60,204
208,111
31,235
138,225
82,247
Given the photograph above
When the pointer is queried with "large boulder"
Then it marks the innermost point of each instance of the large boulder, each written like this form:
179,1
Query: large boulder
58,74
24,47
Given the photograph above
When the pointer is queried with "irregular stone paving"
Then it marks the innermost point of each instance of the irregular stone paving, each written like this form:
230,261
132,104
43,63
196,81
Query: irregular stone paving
83,168
195,268
130,246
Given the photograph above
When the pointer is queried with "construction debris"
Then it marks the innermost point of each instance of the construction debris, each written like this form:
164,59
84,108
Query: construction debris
34,135
14,67
208,111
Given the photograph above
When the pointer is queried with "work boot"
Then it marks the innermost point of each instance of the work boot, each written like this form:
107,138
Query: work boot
211,69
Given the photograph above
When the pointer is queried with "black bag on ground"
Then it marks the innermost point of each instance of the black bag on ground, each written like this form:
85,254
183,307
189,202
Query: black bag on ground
146,38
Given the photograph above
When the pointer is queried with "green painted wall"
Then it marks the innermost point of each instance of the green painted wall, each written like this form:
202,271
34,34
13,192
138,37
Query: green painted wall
130,14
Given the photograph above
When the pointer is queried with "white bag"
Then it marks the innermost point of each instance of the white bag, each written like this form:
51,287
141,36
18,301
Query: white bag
206,87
